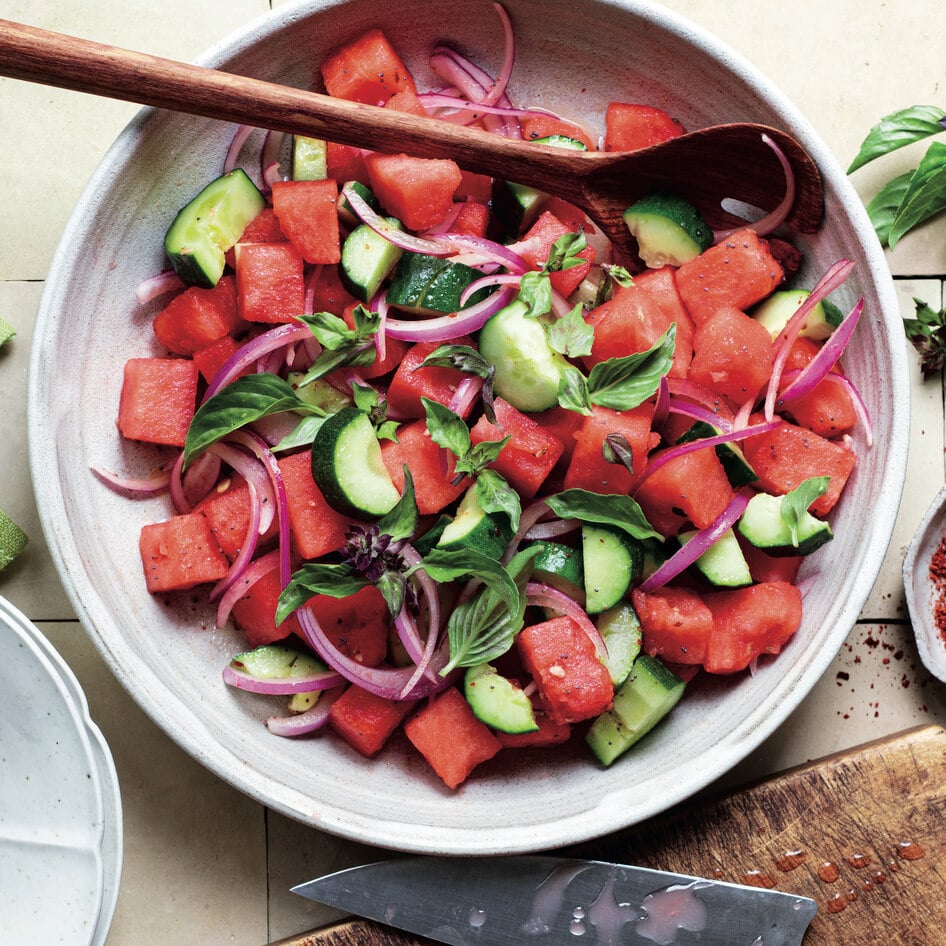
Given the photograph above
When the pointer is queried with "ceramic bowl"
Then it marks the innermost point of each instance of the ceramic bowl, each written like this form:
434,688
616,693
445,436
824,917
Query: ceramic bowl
575,57
923,592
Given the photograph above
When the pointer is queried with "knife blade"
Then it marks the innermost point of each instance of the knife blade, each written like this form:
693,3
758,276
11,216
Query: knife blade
553,901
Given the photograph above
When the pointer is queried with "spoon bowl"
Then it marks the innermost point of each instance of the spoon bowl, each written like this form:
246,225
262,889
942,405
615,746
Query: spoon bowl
708,167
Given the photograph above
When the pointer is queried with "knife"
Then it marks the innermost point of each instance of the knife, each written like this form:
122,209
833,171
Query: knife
554,901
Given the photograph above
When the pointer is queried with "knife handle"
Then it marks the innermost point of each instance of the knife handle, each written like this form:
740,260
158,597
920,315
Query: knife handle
355,933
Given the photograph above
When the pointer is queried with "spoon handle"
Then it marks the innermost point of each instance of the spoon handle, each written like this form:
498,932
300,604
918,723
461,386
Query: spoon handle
68,62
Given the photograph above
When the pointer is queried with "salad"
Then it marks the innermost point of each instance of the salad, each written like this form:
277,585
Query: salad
456,472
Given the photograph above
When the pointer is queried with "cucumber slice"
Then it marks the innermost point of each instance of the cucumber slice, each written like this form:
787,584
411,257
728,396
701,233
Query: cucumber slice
737,467
528,369
347,466
561,141
776,311
367,260
497,701
561,567
473,528
649,693
723,563
621,629
309,158
209,225
668,229
275,661
515,206
613,562
425,285
763,526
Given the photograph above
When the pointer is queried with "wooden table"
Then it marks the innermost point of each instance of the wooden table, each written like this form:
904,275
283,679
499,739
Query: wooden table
204,864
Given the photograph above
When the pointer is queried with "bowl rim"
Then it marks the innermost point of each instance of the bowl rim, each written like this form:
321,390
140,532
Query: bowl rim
595,821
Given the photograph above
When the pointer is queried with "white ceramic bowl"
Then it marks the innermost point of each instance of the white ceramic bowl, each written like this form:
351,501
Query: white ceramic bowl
573,56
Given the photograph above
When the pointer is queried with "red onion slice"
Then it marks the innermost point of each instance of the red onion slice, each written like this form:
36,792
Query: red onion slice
255,474
545,596
386,682
498,89
136,486
775,218
446,327
381,226
250,576
240,138
489,249
158,285
253,350
825,359
310,721
715,403
700,542
247,549
281,686
831,280
682,449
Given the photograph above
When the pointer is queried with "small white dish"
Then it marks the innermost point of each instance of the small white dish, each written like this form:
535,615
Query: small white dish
922,591
60,810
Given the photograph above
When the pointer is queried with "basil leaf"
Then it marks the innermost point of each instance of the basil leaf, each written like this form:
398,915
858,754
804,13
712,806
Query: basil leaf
618,274
882,210
496,495
393,588
302,435
564,252
622,512
573,391
535,290
462,357
480,455
341,345
446,428
796,502
450,564
243,401
927,334
571,335
401,521
898,129
317,578
616,449
485,626
625,383
926,195
365,397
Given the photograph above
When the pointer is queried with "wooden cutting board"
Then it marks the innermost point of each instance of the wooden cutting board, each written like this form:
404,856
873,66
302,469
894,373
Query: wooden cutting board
863,833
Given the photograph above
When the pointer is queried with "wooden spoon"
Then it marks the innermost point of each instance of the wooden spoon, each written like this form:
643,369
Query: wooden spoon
707,166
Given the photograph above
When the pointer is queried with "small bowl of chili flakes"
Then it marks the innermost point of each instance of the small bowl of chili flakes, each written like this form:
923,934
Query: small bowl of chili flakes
924,581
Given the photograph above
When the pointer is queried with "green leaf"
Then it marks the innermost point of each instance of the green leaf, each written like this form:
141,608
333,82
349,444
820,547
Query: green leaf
479,456
446,428
616,449
898,129
496,495
484,627
365,397
796,502
7,331
401,521
462,357
926,195
243,401
571,335
622,512
317,578
302,435
341,345
618,274
882,210
573,391
564,252
535,290
625,383
393,588
450,564
927,334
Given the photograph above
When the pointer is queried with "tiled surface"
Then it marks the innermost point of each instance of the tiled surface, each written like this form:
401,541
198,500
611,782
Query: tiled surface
203,863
